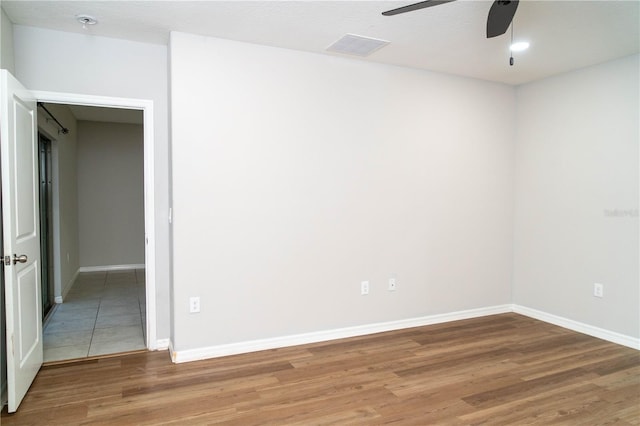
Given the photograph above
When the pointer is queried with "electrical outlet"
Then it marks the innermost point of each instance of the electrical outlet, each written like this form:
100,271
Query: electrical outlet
364,288
392,284
194,305
598,290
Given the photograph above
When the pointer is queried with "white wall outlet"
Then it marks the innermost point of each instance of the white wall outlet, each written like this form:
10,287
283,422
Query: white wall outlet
393,284
364,288
194,305
598,290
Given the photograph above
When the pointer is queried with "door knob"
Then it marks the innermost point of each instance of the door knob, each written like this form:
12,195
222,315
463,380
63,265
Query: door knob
22,258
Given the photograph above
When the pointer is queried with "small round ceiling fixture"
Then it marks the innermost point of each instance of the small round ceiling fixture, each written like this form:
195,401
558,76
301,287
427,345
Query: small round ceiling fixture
86,20
519,46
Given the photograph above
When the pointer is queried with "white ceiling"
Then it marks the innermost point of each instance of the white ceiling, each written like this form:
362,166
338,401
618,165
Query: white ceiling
110,115
450,38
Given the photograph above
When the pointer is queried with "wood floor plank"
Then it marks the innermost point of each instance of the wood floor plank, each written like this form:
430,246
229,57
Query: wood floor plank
557,364
496,370
443,386
549,406
623,378
527,388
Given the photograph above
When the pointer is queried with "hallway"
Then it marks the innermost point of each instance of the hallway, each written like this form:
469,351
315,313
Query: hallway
103,313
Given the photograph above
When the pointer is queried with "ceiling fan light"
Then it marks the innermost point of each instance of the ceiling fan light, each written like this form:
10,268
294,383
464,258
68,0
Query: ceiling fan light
519,46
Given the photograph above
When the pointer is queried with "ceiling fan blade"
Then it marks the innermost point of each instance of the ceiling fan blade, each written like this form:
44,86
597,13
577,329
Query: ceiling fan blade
415,6
500,17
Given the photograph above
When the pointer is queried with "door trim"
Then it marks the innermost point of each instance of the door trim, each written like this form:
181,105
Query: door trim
149,185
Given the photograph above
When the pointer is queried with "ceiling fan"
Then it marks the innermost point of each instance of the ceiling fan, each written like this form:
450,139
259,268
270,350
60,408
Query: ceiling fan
500,15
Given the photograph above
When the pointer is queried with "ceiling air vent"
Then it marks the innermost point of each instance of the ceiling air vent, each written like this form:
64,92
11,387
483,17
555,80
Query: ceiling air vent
352,44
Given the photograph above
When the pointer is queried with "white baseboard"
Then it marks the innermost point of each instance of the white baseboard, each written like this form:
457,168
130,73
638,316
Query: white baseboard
107,268
610,336
171,351
179,356
322,336
65,290
162,344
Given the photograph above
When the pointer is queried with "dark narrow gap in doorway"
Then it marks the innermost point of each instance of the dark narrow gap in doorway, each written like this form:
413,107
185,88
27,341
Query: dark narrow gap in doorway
46,224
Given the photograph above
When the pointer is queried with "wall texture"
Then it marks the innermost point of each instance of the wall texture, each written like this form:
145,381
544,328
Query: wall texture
78,63
296,176
577,189
65,204
110,193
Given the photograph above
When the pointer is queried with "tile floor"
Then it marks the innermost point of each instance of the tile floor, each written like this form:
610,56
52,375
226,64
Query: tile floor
103,313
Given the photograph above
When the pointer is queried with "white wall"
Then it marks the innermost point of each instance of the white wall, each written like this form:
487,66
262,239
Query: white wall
65,203
296,176
6,43
110,193
77,63
577,196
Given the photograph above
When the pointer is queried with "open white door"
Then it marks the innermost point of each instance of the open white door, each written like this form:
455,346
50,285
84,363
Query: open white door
21,245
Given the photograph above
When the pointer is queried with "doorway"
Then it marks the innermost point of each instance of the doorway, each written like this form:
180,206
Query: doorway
144,278
19,377
101,296
19,129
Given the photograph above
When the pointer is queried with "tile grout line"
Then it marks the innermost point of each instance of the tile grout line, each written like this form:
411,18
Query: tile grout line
93,332
55,315
121,290
130,285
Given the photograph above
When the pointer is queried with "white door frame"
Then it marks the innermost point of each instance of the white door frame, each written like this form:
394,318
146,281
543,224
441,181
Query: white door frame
149,197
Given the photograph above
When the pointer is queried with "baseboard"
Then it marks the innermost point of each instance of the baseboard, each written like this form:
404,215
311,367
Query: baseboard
107,268
179,356
67,288
171,351
322,336
72,281
610,336
162,344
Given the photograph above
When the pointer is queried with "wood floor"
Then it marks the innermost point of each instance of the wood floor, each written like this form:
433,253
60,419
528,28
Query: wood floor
501,369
